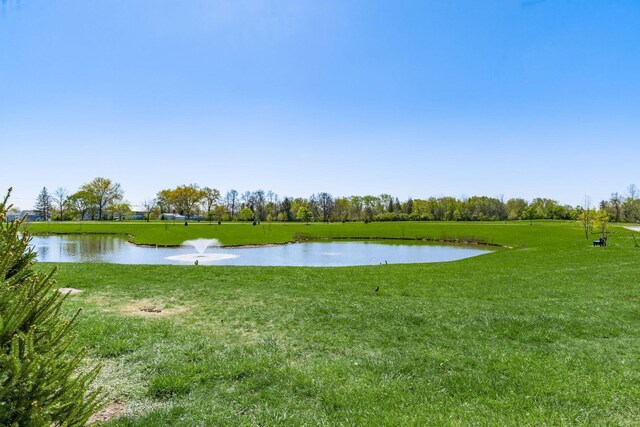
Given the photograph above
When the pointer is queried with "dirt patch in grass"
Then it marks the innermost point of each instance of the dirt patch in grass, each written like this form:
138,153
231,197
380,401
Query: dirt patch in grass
150,308
146,307
112,410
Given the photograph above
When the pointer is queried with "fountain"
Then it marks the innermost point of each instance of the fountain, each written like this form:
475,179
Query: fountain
201,245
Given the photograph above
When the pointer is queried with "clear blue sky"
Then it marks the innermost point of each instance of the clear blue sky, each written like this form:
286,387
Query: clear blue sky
413,98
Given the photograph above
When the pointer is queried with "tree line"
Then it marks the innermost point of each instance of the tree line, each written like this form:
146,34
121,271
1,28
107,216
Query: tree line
103,199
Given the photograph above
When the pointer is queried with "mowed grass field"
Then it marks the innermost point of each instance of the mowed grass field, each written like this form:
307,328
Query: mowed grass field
544,333
170,233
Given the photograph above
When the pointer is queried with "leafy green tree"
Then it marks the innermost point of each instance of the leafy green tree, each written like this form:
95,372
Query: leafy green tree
101,193
296,204
371,202
586,217
407,207
273,204
80,204
515,208
211,197
601,221
356,205
43,380
285,210
220,212
185,199
385,203
304,214
120,210
341,209
246,214
164,201
529,214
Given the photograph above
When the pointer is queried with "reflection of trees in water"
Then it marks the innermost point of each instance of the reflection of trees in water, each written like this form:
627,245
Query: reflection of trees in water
43,252
90,246
110,249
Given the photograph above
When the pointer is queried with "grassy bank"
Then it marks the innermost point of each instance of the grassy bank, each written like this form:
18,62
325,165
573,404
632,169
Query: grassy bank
546,333
229,234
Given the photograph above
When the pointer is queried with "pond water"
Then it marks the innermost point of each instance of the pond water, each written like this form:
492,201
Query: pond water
116,250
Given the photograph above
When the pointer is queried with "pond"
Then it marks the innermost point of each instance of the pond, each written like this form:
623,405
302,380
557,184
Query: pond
117,250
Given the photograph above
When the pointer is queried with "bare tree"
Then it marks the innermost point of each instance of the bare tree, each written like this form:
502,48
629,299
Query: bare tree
314,207
325,205
258,198
247,199
616,204
586,216
231,201
149,205
60,199
271,197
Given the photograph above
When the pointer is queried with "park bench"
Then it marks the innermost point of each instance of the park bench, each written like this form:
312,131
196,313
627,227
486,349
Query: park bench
600,242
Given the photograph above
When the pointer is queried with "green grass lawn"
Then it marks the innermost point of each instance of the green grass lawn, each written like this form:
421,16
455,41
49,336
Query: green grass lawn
546,333
229,234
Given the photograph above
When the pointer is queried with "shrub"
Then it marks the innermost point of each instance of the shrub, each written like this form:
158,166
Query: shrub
43,380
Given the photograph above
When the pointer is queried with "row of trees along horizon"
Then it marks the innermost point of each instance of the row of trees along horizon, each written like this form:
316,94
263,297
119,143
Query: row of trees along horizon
103,199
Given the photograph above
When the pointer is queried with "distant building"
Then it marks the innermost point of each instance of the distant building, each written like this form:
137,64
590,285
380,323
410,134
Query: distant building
29,216
138,212
177,217
171,216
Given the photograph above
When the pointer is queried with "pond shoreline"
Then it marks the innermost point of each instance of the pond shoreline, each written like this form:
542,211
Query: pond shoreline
302,239
308,253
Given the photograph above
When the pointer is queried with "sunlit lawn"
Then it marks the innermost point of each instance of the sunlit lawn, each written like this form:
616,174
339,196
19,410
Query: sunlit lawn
545,333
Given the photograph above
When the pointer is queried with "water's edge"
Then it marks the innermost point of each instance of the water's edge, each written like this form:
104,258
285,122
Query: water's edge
300,239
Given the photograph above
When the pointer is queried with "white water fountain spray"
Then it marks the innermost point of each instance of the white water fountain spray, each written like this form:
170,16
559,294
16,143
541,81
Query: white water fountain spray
201,245
201,257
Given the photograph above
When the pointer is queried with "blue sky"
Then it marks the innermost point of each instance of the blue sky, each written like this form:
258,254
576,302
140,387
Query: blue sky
413,98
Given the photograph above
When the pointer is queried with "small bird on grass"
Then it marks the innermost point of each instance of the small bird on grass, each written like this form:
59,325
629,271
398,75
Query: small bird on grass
196,263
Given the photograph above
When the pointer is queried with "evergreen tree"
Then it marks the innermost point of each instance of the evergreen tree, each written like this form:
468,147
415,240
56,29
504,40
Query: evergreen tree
43,204
43,381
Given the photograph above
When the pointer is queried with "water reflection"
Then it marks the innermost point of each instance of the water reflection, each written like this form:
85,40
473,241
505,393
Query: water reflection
113,249
94,248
